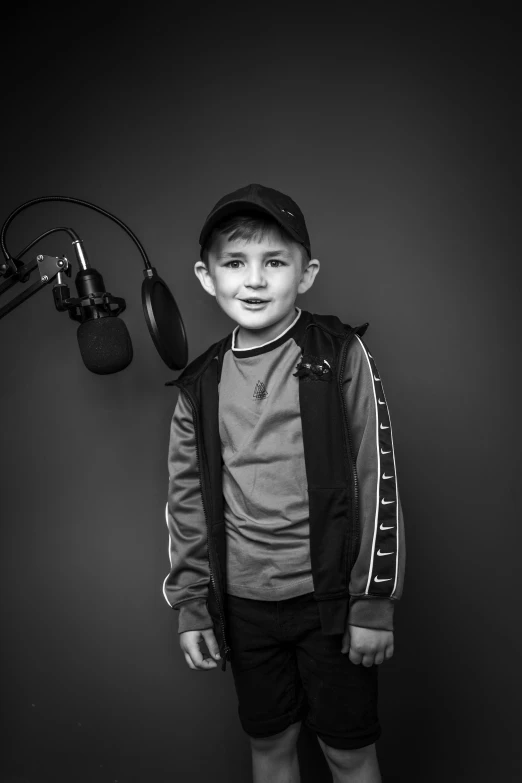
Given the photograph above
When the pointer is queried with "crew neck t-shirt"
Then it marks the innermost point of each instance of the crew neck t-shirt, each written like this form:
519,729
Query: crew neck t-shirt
265,488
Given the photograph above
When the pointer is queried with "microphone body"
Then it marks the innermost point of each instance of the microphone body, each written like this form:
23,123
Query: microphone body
103,338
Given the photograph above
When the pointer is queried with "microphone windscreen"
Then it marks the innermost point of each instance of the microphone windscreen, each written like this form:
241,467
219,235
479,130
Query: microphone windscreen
105,345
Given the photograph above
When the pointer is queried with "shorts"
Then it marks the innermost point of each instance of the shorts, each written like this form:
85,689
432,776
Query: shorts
285,670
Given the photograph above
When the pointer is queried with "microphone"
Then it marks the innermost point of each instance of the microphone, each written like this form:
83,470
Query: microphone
103,338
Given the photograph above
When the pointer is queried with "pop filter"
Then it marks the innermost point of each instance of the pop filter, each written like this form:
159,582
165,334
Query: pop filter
164,320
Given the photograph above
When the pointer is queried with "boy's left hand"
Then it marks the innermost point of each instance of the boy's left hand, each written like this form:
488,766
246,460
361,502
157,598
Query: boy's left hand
367,645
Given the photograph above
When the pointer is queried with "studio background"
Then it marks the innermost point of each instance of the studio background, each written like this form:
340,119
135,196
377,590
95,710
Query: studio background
399,138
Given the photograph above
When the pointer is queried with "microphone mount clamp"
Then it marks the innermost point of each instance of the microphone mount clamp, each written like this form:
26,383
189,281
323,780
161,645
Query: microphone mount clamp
48,267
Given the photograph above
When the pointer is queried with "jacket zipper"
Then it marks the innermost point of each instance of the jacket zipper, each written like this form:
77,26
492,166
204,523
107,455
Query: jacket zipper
227,649
344,351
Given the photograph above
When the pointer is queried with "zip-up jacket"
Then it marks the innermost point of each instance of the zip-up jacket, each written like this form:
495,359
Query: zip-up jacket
356,529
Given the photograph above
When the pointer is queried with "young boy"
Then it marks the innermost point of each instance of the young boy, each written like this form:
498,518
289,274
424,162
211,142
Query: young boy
286,530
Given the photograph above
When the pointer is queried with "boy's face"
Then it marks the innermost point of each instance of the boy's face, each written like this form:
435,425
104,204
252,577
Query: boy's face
267,269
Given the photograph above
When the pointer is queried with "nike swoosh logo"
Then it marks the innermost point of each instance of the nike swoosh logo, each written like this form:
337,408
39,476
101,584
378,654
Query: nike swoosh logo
384,427
381,527
385,452
382,580
382,402
386,502
386,477
381,554
377,379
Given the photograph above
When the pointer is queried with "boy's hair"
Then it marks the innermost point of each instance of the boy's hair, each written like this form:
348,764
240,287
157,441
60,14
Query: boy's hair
248,228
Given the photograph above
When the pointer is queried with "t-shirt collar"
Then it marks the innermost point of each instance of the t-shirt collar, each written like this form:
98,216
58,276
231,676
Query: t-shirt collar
268,346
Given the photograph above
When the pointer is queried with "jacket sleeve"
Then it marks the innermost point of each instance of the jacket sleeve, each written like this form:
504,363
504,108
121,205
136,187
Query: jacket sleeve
186,586
377,576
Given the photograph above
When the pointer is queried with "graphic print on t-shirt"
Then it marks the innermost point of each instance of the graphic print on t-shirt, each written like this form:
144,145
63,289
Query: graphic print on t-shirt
260,392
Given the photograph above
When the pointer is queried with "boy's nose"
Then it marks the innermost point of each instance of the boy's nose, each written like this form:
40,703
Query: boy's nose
254,277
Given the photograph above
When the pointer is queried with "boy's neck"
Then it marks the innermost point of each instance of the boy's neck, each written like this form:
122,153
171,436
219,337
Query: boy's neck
252,338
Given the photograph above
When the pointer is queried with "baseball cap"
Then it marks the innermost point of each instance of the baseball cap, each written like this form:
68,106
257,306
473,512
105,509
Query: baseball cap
258,198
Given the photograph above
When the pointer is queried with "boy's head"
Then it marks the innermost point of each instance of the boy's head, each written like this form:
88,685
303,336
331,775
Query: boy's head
255,246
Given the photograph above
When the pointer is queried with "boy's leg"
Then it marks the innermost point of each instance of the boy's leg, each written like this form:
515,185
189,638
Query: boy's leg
267,683
352,766
274,758
342,699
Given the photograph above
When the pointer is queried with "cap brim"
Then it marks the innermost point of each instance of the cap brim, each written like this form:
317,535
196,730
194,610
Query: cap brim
242,207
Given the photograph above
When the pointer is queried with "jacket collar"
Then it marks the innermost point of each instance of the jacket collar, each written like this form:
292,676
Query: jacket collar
331,324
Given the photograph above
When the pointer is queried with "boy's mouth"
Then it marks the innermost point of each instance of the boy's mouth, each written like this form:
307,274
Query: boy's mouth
254,304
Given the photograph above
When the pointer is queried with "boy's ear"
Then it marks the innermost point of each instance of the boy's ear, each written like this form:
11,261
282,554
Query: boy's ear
308,276
203,275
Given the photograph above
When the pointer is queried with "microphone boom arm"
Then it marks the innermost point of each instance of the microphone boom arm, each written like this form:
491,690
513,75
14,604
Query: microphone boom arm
70,200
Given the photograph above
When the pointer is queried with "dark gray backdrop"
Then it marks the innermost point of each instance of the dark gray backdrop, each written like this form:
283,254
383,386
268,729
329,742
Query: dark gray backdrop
399,137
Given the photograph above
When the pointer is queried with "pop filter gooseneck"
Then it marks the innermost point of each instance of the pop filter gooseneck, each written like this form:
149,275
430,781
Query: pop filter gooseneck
161,313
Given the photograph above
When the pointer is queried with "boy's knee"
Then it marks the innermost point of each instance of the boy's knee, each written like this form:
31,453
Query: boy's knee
348,759
281,742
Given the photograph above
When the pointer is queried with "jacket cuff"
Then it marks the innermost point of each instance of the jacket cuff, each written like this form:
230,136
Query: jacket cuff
194,616
374,613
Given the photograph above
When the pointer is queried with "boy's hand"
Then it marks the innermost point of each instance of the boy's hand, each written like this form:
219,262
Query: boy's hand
189,642
367,645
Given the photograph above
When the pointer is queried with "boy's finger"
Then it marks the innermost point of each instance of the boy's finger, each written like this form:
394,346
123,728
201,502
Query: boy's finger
198,662
212,645
389,652
355,657
189,662
206,663
196,656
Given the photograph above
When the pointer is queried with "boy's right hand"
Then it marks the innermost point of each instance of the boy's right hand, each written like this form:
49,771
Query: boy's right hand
189,642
